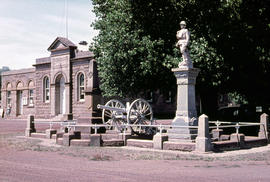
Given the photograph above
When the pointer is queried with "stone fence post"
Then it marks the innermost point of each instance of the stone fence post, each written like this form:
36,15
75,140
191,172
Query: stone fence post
264,121
203,141
30,126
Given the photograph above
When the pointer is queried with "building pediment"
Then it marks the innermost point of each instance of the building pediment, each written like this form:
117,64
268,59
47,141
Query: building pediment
58,45
61,43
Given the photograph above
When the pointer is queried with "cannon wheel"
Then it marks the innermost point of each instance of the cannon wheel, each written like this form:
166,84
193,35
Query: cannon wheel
140,112
108,116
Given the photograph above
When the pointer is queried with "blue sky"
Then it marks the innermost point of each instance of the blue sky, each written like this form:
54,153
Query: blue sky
28,27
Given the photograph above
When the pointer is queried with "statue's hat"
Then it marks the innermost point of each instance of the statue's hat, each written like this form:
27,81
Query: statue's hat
183,23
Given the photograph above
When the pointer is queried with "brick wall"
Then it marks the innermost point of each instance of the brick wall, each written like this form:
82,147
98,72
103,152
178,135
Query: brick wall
80,108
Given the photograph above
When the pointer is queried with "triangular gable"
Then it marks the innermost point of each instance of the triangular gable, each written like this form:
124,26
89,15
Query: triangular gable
60,43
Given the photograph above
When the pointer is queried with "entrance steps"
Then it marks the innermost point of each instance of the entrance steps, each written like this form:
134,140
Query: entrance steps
87,120
59,117
94,117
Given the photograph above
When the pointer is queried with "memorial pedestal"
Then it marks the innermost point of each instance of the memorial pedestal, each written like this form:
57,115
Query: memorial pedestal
186,113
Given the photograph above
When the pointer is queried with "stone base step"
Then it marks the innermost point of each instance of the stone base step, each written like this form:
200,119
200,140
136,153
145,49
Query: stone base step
140,143
255,142
103,136
112,142
249,142
182,146
79,142
107,136
224,137
38,135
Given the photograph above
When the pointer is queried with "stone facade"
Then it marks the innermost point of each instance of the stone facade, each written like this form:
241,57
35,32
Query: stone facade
59,86
15,87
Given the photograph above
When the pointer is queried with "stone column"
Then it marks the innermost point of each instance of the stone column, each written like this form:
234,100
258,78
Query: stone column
239,138
95,140
216,133
66,138
203,141
52,99
68,115
68,98
158,140
264,120
30,126
186,113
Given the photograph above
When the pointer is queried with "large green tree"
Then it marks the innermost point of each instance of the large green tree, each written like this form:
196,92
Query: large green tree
135,48
128,60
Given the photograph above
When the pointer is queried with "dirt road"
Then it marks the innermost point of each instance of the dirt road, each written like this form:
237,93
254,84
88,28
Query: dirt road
30,160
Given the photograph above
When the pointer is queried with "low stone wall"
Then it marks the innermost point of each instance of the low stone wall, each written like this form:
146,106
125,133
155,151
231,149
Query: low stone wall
203,142
233,145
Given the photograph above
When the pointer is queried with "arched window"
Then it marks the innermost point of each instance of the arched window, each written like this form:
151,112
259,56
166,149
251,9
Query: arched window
81,87
46,89
31,93
19,85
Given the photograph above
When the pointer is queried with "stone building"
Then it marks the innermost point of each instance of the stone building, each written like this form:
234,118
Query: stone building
60,86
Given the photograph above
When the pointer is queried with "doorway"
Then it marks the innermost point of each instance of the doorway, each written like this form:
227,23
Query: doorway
60,96
19,103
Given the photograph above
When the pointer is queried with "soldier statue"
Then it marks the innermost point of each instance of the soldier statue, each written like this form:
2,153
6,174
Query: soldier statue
183,37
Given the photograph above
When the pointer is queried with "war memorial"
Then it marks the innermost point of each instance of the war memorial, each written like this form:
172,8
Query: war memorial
124,90
68,102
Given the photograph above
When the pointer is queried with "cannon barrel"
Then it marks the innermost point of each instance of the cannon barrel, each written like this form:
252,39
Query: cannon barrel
123,110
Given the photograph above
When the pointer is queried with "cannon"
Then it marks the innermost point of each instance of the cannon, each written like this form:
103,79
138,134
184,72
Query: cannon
139,112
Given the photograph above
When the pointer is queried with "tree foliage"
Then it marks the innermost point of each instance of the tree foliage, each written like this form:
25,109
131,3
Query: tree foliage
128,60
135,48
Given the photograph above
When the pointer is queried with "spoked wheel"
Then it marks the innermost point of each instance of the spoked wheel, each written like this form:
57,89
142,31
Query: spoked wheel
140,113
113,118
